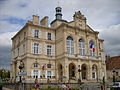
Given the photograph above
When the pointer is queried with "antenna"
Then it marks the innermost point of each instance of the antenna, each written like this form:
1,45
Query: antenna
58,3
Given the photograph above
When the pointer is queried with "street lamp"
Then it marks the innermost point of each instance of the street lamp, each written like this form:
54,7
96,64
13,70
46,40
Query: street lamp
79,80
21,66
114,75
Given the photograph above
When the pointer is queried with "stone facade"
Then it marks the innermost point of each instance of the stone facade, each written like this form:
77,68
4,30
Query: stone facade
62,52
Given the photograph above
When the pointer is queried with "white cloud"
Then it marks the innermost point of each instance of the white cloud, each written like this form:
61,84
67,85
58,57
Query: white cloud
5,39
102,15
111,36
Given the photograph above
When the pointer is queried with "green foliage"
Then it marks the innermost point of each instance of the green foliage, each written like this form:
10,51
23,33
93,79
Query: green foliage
4,74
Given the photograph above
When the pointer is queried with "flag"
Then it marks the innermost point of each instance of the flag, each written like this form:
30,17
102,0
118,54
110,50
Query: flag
92,47
43,66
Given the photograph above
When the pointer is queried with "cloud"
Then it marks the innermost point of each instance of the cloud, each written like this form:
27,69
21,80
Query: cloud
5,49
5,57
5,38
102,15
111,36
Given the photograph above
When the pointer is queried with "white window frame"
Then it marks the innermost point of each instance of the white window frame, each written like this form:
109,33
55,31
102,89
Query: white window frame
82,50
35,74
70,47
36,48
49,36
49,74
36,33
94,75
49,50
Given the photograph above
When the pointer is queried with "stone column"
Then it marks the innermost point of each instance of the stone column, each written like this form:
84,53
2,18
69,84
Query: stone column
77,73
99,72
89,71
66,70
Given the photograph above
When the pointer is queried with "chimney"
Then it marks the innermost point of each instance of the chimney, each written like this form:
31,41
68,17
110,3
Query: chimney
35,19
44,21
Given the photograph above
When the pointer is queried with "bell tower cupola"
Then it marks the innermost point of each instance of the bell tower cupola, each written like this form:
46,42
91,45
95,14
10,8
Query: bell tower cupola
58,13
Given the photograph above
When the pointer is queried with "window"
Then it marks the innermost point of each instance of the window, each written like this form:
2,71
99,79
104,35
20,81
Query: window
35,64
49,74
36,48
70,45
81,47
36,33
35,73
93,75
48,65
49,49
92,48
18,51
49,36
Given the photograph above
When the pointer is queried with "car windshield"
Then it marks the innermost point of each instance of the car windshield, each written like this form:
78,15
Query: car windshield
116,84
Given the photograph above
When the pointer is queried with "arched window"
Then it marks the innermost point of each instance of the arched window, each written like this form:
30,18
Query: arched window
81,47
70,45
92,48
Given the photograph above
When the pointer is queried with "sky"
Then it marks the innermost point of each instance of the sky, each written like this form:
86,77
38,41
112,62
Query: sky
102,16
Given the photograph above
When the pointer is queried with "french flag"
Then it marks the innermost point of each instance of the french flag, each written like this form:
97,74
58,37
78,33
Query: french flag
92,47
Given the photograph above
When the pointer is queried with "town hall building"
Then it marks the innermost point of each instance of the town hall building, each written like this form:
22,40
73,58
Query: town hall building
63,51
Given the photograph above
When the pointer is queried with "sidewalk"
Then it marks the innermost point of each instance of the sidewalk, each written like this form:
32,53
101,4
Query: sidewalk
4,88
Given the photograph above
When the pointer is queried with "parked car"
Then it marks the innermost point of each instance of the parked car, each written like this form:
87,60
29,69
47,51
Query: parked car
116,85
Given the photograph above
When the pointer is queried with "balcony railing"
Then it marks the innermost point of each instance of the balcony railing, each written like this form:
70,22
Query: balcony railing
84,57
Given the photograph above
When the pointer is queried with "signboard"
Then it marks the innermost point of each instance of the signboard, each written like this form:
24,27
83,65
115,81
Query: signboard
22,73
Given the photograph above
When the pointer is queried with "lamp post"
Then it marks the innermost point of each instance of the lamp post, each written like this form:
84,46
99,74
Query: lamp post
79,80
21,66
114,75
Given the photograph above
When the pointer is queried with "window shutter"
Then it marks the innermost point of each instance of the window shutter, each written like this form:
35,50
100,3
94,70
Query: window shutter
38,73
53,50
33,31
32,73
39,34
46,74
46,35
74,47
45,49
52,73
40,49
32,47
53,36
